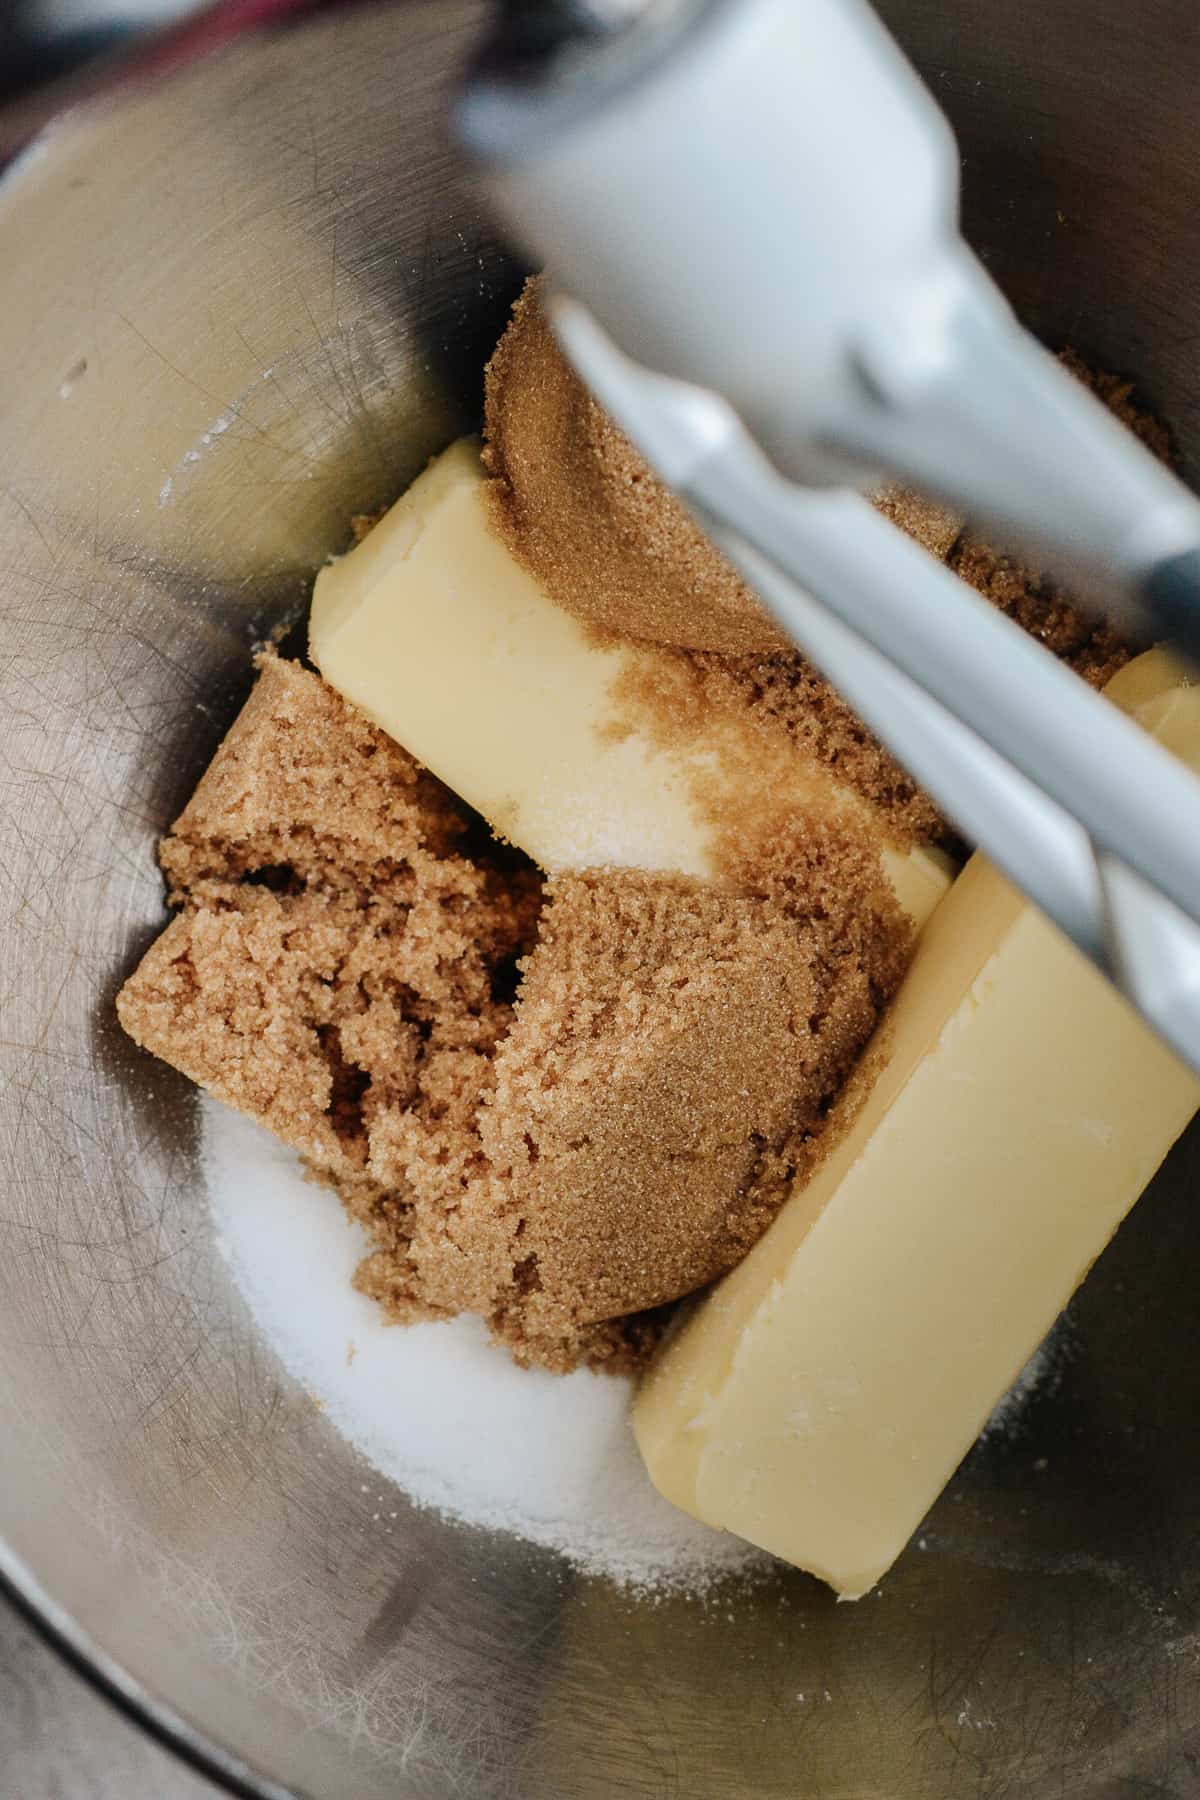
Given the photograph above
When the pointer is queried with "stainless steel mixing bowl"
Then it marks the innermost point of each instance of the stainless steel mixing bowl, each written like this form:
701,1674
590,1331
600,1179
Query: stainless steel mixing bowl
233,311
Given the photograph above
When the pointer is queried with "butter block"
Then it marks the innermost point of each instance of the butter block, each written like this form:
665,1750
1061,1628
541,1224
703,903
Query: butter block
432,630
820,1398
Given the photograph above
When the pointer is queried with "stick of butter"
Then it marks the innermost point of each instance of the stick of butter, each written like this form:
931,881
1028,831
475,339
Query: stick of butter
820,1398
433,630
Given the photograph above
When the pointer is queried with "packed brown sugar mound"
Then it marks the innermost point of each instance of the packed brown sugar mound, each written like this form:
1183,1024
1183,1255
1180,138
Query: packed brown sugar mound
343,965
577,504
585,513
666,1079
559,1105
333,950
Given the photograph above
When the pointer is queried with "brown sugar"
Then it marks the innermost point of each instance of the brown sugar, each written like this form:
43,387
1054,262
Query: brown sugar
1086,643
783,696
1090,646
560,1105
930,523
576,503
343,968
666,1078
585,513
333,957
362,524
780,700
300,780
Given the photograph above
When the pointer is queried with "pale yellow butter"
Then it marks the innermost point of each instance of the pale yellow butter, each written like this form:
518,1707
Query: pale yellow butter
818,1401
435,632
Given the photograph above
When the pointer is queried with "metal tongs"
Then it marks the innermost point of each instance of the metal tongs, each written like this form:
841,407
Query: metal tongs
909,362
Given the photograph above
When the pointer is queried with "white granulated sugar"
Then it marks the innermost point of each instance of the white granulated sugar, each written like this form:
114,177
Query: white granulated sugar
1043,1368
438,1408
441,1410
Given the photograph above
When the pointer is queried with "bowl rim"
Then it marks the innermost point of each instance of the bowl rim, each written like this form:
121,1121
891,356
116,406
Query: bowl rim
20,1588
56,1628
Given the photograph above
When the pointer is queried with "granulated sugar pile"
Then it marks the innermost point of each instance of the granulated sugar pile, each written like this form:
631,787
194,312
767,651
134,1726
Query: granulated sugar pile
436,1407
443,1412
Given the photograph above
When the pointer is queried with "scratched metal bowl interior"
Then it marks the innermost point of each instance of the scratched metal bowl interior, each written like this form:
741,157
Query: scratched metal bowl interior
233,311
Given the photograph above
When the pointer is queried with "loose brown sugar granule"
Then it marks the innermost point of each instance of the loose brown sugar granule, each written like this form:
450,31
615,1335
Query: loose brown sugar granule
363,524
341,975
782,694
331,952
1117,392
663,1040
565,1167
918,517
302,786
785,693
618,1346
576,504
783,697
753,705
344,963
666,1077
1094,649
580,508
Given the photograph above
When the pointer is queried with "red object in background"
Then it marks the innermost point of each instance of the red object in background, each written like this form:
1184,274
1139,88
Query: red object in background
213,26
157,53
